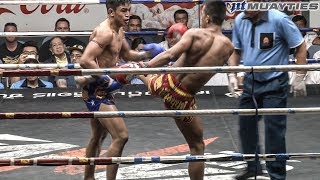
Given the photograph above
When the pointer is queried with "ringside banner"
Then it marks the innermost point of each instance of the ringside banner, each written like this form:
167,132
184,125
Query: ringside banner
85,17
47,94
82,17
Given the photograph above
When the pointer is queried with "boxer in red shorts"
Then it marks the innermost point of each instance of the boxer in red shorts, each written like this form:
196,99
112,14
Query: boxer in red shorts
198,47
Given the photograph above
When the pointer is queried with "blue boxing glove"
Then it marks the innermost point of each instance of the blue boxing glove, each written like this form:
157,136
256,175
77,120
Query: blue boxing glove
154,48
109,84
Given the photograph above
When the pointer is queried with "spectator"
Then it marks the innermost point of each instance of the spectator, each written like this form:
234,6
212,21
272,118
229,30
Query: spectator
137,44
29,50
313,50
174,34
134,25
75,53
312,39
167,42
10,50
30,56
59,56
62,25
181,16
58,52
173,37
301,23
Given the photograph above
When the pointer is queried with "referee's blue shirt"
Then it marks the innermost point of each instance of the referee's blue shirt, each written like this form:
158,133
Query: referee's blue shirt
266,42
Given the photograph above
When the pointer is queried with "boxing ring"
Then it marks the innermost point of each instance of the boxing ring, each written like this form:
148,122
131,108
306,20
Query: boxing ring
149,137
218,113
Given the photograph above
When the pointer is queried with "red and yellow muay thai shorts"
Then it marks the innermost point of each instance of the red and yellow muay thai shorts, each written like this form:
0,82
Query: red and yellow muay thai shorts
175,97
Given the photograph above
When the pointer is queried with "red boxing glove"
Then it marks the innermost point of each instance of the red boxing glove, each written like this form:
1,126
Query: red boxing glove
126,78
178,28
122,79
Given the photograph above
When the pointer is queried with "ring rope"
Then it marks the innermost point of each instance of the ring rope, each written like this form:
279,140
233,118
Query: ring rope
77,65
309,61
162,70
158,113
86,33
19,2
54,161
40,66
80,33
292,61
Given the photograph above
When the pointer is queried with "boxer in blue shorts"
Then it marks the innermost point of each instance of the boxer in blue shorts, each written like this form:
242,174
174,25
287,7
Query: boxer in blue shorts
107,46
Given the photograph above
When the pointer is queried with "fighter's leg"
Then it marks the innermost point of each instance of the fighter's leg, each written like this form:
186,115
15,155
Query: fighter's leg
119,133
193,133
93,149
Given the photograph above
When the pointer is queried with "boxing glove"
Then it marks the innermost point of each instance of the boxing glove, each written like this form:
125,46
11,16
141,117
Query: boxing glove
108,83
154,48
233,84
126,78
298,85
178,28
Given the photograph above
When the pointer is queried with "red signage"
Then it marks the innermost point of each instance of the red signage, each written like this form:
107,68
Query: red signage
4,10
45,9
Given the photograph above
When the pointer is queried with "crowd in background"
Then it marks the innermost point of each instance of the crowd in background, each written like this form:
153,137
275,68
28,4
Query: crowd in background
66,50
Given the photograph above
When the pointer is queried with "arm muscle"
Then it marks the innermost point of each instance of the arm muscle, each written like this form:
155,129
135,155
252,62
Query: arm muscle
95,48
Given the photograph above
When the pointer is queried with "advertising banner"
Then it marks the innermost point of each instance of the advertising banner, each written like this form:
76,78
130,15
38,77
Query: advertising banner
86,17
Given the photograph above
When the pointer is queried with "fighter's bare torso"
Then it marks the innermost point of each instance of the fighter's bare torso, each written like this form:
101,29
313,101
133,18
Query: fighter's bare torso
209,48
111,50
